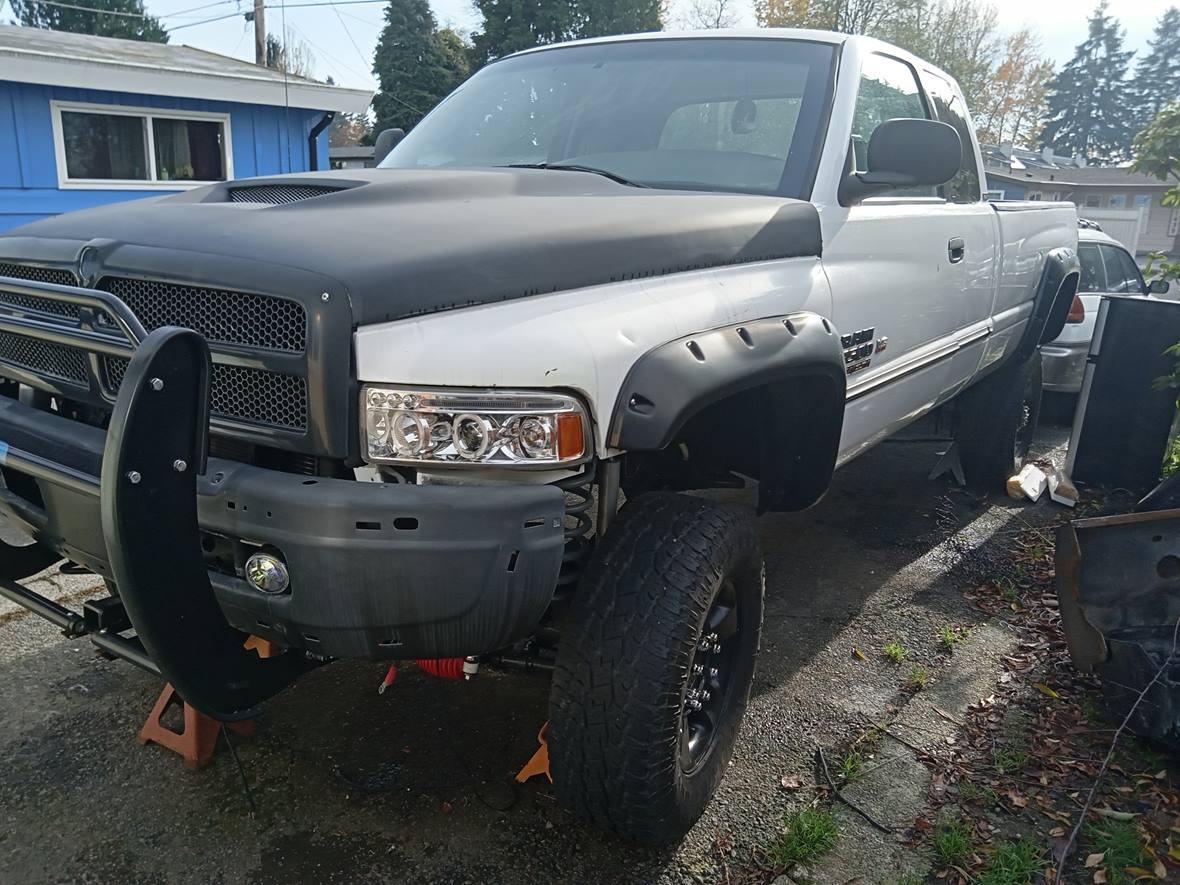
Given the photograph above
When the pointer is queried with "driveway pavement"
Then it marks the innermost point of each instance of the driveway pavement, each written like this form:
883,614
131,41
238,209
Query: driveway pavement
416,785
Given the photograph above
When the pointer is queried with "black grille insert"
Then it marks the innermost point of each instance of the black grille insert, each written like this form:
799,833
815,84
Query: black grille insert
260,321
242,394
37,274
275,194
43,358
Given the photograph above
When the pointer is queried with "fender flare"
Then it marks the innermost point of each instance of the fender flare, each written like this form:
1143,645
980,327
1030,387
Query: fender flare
1060,276
801,422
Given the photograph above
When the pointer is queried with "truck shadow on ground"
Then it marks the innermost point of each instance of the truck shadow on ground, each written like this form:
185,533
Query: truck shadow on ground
416,785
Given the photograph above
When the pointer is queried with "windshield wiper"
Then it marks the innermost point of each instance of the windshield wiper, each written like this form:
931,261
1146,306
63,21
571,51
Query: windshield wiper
575,167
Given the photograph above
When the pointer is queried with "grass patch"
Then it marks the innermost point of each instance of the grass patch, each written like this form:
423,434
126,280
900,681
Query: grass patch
919,678
912,879
952,843
852,765
1120,842
809,834
1008,759
1012,863
949,637
895,652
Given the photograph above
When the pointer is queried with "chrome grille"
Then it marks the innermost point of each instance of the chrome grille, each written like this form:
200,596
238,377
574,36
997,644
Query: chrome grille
221,316
37,274
44,358
242,394
275,194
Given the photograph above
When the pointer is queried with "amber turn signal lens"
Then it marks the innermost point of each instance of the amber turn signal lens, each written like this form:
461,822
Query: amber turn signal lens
1077,311
571,437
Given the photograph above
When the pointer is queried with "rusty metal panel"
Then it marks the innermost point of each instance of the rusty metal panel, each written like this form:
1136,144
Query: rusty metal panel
1118,586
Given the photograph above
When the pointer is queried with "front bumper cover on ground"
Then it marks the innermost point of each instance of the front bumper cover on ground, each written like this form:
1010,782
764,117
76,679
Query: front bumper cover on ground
390,571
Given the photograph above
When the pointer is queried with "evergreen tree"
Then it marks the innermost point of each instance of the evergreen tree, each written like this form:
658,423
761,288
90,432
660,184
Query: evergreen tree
1157,77
129,22
1091,106
603,18
513,25
416,64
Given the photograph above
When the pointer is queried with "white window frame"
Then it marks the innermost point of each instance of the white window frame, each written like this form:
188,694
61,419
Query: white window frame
1034,196
1117,201
994,194
64,182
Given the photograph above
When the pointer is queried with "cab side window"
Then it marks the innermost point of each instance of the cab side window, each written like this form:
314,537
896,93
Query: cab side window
949,109
888,91
1122,273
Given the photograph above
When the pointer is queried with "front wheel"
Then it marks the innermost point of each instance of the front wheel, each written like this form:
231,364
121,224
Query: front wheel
655,666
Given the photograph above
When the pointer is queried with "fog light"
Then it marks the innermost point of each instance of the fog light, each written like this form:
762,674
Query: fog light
267,573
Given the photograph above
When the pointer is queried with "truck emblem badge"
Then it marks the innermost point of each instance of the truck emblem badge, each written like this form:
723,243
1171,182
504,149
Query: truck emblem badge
858,350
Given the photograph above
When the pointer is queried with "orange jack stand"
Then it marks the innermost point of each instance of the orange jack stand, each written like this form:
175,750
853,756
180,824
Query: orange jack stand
197,740
539,764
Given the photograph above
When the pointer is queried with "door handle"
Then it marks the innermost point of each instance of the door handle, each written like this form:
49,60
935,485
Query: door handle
956,249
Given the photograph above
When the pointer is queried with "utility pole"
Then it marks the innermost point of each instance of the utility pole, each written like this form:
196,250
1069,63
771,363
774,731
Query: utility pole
259,33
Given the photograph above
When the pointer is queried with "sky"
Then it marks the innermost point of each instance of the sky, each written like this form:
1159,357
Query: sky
342,36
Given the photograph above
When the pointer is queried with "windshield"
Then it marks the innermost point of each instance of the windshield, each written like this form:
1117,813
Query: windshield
700,114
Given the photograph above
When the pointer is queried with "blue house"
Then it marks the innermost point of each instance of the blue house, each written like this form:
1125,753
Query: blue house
91,120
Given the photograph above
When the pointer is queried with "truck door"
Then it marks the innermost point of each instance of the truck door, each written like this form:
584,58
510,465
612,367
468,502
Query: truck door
970,282
910,273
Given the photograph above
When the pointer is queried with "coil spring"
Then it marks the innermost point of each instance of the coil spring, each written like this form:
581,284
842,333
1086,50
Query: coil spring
579,499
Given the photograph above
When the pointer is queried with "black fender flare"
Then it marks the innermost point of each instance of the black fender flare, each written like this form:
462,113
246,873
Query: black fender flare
675,381
1060,276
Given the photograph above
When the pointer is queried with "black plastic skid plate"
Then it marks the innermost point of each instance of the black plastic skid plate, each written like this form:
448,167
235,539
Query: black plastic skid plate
154,449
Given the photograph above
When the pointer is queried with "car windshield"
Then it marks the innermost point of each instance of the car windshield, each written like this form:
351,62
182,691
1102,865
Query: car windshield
714,114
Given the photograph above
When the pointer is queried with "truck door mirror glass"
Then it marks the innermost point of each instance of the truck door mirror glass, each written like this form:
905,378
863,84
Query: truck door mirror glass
1159,287
904,153
386,142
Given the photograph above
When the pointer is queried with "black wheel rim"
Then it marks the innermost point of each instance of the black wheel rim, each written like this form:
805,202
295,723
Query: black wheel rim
710,678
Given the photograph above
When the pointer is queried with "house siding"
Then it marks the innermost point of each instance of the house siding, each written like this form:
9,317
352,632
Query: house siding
264,140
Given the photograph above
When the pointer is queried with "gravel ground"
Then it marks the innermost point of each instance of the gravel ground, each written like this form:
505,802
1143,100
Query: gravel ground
416,785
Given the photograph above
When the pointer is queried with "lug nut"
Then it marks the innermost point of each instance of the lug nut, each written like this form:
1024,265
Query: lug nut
133,477
698,669
714,672
694,705
180,465
157,383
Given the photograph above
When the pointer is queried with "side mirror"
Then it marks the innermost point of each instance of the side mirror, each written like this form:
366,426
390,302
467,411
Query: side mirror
1158,287
386,142
904,153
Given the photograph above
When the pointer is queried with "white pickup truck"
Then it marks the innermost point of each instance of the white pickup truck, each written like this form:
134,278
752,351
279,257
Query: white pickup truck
446,409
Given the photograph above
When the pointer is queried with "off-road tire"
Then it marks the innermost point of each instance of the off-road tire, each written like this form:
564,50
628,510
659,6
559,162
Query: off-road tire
996,421
627,657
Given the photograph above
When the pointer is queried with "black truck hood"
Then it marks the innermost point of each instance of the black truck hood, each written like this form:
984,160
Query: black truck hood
405,241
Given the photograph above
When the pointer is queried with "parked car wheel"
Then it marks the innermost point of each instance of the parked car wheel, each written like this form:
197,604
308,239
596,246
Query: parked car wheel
997,420
655,666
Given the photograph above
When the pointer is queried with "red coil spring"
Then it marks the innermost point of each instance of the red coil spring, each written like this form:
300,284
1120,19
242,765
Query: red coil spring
444,668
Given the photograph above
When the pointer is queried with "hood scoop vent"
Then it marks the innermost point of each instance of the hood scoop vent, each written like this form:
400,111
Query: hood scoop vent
275,194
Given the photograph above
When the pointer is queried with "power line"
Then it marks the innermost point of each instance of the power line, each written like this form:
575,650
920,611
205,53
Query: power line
220,18
206,21
143,15
347,32
91,9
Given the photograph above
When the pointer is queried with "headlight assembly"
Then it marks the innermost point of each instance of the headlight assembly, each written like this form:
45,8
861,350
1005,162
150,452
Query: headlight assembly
489,428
